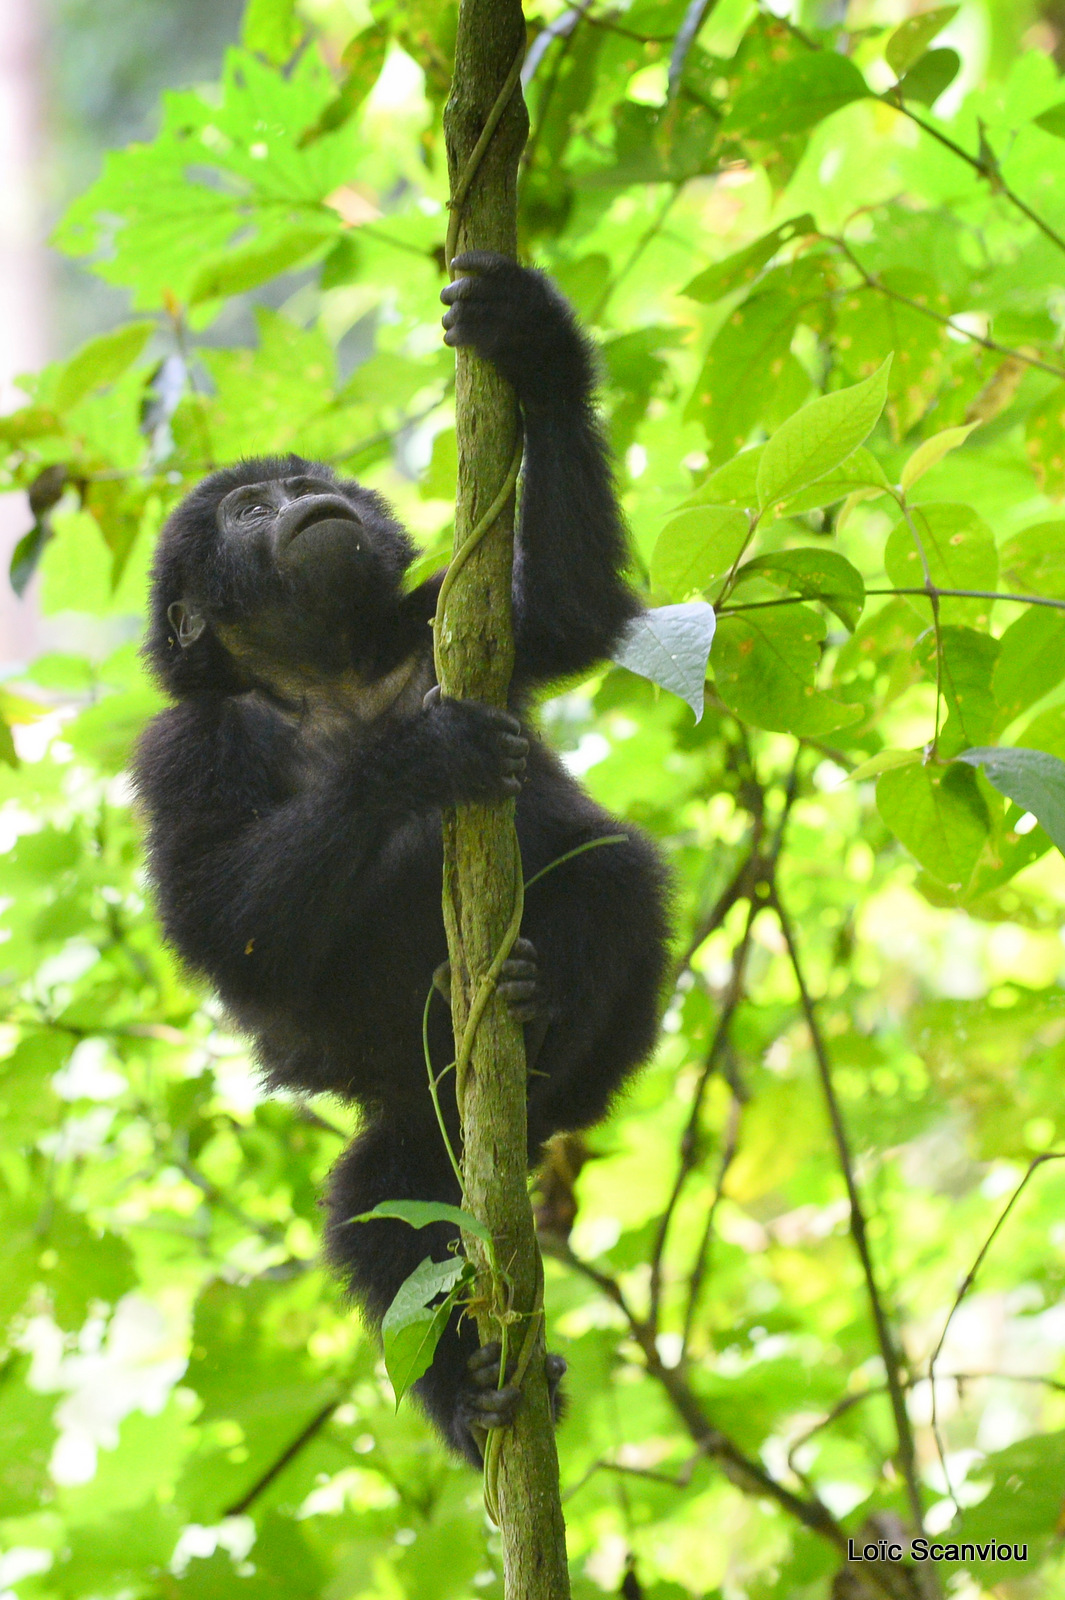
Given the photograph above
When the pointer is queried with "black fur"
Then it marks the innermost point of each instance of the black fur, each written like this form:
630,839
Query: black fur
294,793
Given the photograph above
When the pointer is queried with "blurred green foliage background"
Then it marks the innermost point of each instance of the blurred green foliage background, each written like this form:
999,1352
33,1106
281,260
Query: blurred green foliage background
750,214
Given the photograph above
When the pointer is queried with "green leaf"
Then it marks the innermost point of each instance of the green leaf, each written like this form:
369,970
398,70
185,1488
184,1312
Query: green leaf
816,575
420,1213
960,551
734,484
29,422
1052,120
929,76
911,38
745,265
252,1367
234,270
795,95
100,362
867,323
670,646
26,556
939,815
749,357
931,451
765,663
412,1325
271,28
697,547
224,170
28,1101
28,1433
1045,442
965,676
363,58
109,1557
1033,561
861,474
1031,778
884,761
1022,1507
268,399
1031,660
442,474
820,436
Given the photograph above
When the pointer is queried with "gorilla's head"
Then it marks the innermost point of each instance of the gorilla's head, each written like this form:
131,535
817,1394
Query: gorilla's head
274,566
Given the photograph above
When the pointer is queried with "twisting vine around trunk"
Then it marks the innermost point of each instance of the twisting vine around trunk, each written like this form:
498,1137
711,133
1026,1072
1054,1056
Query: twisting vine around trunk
485,125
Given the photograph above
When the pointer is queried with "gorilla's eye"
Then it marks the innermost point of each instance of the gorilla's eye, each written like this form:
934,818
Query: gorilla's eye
252,513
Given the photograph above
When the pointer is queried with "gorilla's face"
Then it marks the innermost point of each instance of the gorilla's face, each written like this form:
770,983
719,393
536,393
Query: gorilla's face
294,523
286,572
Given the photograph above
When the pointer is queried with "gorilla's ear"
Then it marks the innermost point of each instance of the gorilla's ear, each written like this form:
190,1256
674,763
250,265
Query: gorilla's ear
186,622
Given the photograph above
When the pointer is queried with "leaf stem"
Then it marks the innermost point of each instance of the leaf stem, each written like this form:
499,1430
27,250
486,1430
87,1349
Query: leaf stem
872,281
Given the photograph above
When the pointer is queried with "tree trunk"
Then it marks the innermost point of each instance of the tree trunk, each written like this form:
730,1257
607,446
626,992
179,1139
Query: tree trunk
481,861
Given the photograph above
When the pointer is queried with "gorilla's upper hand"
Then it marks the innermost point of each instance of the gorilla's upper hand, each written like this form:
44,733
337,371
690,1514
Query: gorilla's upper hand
515,318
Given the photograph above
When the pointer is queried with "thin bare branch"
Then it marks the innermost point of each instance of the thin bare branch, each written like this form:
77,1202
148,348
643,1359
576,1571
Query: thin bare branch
277,1467
907,1454
966,1284
702,1255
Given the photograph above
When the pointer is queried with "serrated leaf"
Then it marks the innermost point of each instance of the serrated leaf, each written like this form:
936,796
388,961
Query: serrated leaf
816,575
931,451
698,546
670,645
412,1325
1031,778
420,1213
795,95
929,76
765,664
219,168
939,815
744,266
860,474
820,436
912,37
100,362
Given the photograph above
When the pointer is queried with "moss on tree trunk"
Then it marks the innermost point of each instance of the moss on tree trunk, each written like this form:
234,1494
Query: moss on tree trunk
475,654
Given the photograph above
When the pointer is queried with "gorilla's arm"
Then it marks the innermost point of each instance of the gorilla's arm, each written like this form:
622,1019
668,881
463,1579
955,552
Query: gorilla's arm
258,870
570,599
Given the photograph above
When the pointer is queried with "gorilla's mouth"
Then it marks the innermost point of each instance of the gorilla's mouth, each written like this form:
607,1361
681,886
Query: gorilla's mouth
310,511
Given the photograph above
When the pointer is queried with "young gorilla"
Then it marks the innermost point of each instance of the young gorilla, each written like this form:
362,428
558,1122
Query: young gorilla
294,794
